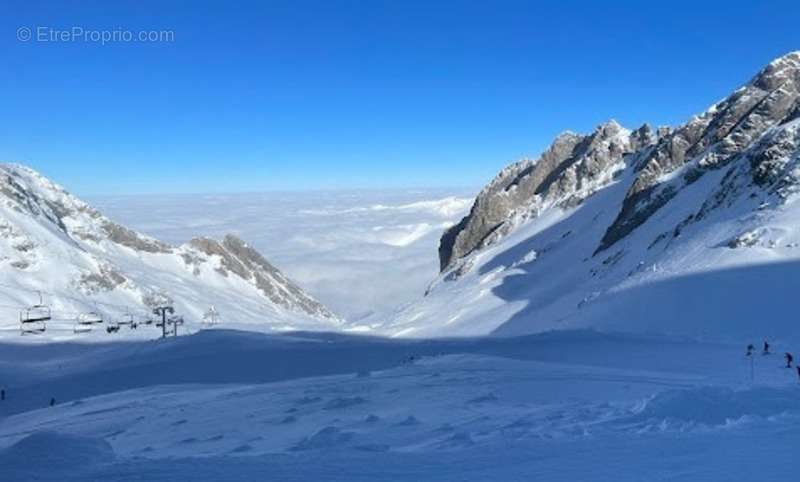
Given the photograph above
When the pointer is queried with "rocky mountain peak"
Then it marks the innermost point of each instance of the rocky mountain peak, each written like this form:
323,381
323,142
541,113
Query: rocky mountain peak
710,141
573,167
778,71
755,123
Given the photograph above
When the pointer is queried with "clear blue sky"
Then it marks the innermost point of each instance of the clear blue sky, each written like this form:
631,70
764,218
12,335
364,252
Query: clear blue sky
345,94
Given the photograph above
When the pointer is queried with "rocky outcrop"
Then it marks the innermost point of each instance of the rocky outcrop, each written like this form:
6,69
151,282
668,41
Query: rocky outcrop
710,141
236,258
131,239
571,169
758,122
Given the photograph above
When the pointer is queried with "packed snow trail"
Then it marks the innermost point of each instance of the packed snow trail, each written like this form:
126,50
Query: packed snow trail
237,406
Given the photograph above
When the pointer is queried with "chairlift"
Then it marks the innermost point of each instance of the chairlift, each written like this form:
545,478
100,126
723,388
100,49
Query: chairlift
81,328
211,316
90,318
127,320
174,322
33,320
85,321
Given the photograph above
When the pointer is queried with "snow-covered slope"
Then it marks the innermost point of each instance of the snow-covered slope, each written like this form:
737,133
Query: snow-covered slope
57,251
566,406
693,230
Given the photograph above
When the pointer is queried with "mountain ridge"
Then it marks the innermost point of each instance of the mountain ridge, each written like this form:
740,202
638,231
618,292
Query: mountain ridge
637,210
56,243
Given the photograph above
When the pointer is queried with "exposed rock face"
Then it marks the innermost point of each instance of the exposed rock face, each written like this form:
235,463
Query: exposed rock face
131,239
238,258
710,141
28,192
756,123
571,169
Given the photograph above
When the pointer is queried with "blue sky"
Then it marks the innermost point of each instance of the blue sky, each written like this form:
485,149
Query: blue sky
287,95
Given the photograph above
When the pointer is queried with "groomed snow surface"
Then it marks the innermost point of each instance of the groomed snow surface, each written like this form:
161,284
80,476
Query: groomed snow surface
227,405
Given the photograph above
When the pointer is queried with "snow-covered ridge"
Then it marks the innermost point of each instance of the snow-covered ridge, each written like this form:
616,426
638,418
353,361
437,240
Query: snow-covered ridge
691,230
55,245
571,169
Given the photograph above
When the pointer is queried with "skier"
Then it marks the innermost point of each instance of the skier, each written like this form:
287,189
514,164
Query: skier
52,401
789,359
766,348
798,371
750,349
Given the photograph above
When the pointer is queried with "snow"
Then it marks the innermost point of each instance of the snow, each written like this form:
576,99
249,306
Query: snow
626,364
557,406
56,250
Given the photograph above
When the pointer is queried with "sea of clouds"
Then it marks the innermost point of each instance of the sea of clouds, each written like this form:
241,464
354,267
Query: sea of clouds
362,253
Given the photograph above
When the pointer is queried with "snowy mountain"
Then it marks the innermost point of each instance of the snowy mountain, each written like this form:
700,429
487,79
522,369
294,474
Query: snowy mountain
686,230
58,251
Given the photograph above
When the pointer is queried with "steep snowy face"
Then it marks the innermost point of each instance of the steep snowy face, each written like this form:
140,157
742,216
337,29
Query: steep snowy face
692,230
54,243
571,169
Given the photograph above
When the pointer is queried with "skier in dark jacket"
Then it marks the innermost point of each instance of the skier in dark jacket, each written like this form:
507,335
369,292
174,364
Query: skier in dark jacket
789,359
798,371
766,348
750,349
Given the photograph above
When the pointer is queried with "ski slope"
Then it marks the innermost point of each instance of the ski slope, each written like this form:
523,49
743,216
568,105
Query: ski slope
223,405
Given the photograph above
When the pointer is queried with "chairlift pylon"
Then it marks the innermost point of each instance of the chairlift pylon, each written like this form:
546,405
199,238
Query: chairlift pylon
211,316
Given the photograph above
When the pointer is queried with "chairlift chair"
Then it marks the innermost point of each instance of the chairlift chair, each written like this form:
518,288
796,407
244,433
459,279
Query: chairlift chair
81,328
34,319
85,321
126,319
90,318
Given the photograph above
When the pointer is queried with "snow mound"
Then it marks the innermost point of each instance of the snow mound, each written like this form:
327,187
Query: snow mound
53,450
328,437
717,406
343,402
